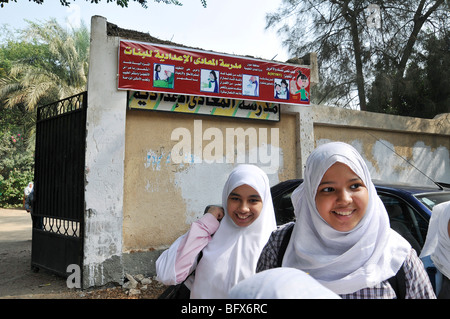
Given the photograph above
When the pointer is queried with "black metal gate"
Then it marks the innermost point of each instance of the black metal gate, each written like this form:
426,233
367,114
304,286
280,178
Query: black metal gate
58,211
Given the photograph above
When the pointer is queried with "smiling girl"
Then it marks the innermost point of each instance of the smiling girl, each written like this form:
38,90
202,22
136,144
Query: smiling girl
341,198
232,253
342,236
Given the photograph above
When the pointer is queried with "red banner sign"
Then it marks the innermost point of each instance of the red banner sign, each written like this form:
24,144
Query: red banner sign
159,68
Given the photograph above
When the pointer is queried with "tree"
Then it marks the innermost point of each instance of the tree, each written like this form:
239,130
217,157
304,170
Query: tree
349,43
61,70
332,29
18,117
425,88
421,16
16,162
47,63
16,148
122,3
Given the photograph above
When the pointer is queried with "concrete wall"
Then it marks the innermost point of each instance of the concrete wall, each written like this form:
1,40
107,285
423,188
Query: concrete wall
163,196
391,145
105,152
140,196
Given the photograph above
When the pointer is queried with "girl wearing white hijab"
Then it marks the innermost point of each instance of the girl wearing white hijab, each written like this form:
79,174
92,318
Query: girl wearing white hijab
342,236
232,253
437,246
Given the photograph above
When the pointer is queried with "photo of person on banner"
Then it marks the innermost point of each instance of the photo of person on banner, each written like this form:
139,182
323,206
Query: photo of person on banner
157,71
299,85
250,85
209,81
281,89
167,78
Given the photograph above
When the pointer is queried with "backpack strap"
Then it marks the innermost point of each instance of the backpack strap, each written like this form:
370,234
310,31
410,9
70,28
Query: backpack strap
179,291
398,283
284,244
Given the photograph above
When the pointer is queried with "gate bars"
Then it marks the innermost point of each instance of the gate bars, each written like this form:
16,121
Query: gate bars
58,211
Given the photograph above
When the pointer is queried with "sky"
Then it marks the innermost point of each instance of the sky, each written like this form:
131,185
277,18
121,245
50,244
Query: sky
235,27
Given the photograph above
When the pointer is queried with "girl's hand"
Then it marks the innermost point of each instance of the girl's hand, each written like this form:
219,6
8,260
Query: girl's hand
216,211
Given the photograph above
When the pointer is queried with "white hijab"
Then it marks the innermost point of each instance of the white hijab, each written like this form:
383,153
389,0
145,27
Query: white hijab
344,262
437,243
233,252
281,283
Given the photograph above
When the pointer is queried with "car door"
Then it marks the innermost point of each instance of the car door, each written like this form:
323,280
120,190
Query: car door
406,220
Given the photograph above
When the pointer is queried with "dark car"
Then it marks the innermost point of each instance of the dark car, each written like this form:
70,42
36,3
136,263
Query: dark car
409,207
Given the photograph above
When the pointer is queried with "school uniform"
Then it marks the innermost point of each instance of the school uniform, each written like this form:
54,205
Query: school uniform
355,263
229,252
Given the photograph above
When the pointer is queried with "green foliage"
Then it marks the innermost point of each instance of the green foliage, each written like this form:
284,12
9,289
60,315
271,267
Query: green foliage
425,89
16,167
44,64
54,65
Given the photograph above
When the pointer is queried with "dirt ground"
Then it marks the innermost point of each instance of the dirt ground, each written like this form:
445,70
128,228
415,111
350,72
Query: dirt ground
19,281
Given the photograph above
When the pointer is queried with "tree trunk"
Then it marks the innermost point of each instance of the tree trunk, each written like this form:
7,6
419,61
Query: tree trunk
351,17
359,67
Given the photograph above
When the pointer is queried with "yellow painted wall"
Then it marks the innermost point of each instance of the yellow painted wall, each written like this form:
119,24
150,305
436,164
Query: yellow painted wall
162,197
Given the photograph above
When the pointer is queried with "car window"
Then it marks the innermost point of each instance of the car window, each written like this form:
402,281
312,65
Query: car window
406,221
431,200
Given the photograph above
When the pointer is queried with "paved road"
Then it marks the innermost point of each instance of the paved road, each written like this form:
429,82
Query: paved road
17,280
15,225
